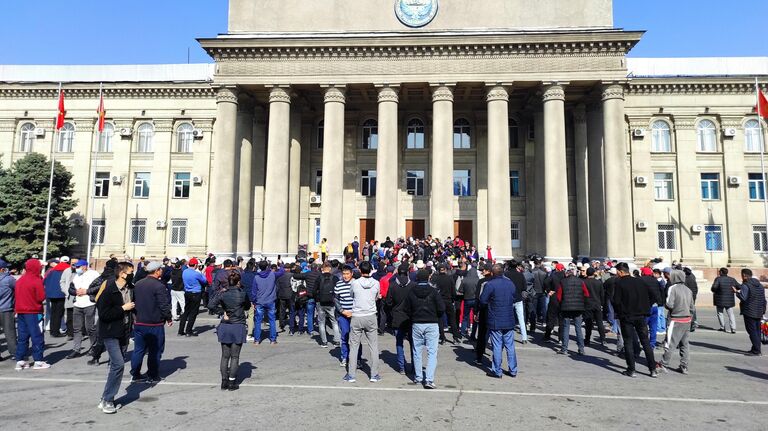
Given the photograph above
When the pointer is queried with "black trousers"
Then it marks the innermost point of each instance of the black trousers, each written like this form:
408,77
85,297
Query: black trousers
636,327
57,313
70,322
230,360
752,327
594,317
482,333
553,317
450,313
283,309
191,308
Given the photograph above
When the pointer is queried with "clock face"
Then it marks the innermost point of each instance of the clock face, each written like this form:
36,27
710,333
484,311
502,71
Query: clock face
416,13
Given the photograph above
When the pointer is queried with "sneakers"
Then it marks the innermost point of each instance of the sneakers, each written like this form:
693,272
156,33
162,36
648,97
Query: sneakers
273,343
402,371
375,379
249,338
233,385
654,373
94,362
349,379
21,365
629,373
224,384
41,365
430,385
661,368
343,363
73,354
324,345
108,407
141,378
683,369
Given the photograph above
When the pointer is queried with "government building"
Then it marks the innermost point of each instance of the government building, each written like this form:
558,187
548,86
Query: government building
511,123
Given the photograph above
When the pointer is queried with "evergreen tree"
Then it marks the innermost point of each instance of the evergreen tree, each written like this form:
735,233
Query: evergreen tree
23,205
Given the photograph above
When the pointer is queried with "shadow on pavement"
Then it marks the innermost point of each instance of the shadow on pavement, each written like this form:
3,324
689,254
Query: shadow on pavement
714,347
746,372
245,371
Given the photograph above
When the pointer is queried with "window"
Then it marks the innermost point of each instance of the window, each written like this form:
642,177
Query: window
317,231
666,237
713,237
514,139
66,138
414,183
184,138
146,133
462,134
138,231
368,186
370,135
98,228
756,187
414,138
320,136
710,187
514,183
141,185
706,135
515,234
105,138
101,185
181,182
661,137
663,187
462,182
752,137
759,239
319,182
26,137
179,231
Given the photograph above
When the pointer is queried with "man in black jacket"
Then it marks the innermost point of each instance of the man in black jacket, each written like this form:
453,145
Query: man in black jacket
594,312
482,317
284,297
399,288
323,292
514,273
177,289
152,311
690,281
632,301
724,300
445,285
424,309
572,295
553,309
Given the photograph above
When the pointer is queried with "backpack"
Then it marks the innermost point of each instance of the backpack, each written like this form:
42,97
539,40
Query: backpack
325,294
299,288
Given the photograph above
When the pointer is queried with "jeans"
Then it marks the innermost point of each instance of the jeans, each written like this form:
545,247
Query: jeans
8,323
425,335
116,369
470,305
364,327
271,311
297,310
401,334
230,360
191,308
57,313
503,339
310,316
520,316
325,313
149,340
87,315
752,327
731,318
653,324
177,299
636,327
30,326
565,331
344,336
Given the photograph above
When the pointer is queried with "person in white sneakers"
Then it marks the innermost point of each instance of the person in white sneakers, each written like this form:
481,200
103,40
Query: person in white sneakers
30,295
84,309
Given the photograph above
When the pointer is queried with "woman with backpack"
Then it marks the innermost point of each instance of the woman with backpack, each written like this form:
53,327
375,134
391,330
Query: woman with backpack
300,300
232,331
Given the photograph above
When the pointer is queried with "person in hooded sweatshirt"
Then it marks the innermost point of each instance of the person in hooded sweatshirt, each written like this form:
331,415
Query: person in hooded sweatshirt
680,306
365,292
424,308
469,288
55,296
264,295
752,296
399,287
30,295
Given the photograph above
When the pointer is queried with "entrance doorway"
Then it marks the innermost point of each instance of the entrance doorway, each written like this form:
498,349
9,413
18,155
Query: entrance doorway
415,228
367,229
463,230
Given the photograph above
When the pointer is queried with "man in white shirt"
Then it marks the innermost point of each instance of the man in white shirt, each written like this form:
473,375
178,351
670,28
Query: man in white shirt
84,309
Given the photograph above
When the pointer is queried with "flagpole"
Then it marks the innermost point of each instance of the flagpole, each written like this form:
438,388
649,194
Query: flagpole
762,156
92,190
50,182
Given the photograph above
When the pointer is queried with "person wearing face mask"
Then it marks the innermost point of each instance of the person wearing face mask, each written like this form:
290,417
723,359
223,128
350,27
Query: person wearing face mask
114,303
83,308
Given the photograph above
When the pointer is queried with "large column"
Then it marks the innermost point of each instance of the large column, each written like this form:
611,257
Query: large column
499,203
558,240
596,186
244,205
333,170
539,200
294,187
387,172
618,209
582,179
276,190
221,210
258,175
441,178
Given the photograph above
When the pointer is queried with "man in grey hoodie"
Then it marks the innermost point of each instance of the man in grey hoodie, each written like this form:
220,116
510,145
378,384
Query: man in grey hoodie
365,292
680,306
7,314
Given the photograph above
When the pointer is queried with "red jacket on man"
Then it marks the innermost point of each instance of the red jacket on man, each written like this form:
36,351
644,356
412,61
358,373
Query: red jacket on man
30,293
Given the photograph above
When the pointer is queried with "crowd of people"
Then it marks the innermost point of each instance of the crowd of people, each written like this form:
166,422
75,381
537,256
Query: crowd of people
417,290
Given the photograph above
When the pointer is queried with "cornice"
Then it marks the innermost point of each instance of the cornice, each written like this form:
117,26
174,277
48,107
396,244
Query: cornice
650,86
137,92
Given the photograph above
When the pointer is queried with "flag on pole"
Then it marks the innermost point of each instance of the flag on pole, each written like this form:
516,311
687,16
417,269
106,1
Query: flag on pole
102,113
62,113
762,105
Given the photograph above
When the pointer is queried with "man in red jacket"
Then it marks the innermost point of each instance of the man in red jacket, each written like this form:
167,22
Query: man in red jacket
30,296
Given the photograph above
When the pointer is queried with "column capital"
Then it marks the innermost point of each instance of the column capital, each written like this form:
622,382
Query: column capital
389,94
442,93
335,94
612,91
553,92
279,94
497,92
226,94
580,114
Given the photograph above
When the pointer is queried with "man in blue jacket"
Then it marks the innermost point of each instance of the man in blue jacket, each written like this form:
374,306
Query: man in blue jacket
153,310
55,295
499,296
264,295
7,314
194,282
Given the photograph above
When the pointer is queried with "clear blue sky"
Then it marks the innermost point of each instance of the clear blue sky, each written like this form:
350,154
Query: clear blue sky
161,31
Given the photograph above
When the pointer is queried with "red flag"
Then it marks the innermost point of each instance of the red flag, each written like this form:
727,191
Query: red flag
62,112
102,113
762,105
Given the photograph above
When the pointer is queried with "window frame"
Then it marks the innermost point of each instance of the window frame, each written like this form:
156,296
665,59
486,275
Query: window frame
101,191
144,185
712,185
758,185
66,141
318,188
516,226
462,130
514,183
417,181
180,230
514,134
98,231
181,184
104,141
462,186
369,135
712,229
700,135
145,137
669,229
368,182
671,186
759,235
27,137
137,226
753,133
185,138
320,135
655,136
412,129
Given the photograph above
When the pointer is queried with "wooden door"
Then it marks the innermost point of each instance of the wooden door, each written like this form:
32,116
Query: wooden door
463,230
367,229
415,228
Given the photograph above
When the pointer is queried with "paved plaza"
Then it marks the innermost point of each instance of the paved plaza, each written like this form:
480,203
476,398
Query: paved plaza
296,385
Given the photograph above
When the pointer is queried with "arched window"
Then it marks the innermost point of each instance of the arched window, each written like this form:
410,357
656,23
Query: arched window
514,138
414,138
707,137
752,142
184,138
26,137
66,138
462,134
105,138
146,133
661,137
320,134
370,135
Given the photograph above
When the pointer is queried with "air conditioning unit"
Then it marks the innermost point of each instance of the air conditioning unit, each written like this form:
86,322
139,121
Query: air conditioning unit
730,132
642,225
638,133
39,132
162,224
697,228
315,200
197,133
734,181
126,131
197,180
117,180
641,180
